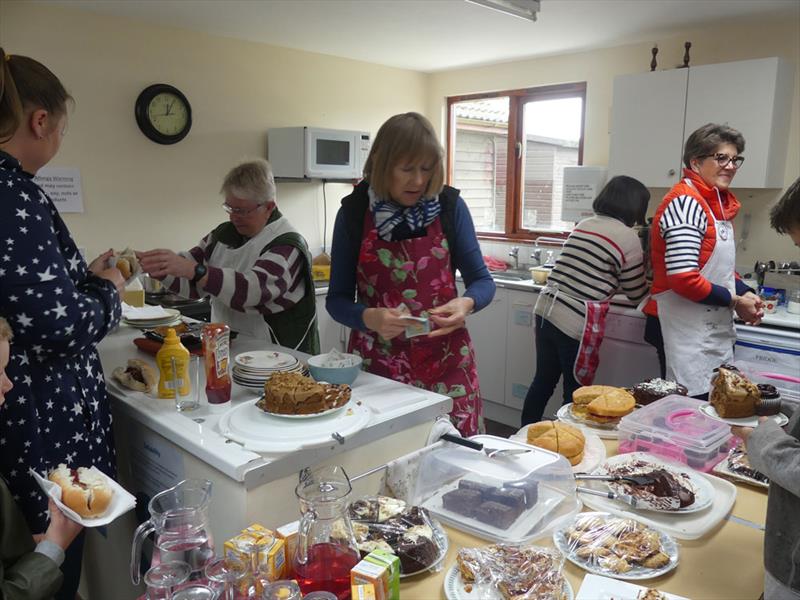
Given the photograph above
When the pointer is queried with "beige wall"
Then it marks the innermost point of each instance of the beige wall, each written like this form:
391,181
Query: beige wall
142,194
728,42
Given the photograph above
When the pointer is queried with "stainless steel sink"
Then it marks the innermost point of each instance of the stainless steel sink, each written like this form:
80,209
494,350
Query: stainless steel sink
512,275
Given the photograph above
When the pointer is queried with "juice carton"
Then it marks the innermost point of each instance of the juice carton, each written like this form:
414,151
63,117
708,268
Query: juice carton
288,533
392,563
364,591
370,573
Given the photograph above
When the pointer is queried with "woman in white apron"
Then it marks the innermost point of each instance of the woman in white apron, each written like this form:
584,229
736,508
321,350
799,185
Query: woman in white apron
601,257
695,289
256,267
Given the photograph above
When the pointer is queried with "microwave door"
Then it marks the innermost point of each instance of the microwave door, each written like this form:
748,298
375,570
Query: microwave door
330,155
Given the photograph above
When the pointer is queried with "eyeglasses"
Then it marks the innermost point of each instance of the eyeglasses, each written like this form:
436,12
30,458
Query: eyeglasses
723,160
241,212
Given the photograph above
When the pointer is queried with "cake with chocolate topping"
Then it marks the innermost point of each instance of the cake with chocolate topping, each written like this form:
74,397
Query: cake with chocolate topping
651,390
770,402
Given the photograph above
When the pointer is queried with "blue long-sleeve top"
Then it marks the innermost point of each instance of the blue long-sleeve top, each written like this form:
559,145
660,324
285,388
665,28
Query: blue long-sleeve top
465,254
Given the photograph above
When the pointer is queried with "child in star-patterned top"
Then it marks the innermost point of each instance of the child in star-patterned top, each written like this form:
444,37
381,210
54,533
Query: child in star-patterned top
28,571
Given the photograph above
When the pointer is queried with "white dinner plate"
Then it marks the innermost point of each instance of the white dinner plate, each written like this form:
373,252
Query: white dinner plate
454,588
265,360
594,451
668,546
171,315
605,431
703,490
711,412
597,587
308,416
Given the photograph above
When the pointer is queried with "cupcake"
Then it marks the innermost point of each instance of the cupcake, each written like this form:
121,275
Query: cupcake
770,403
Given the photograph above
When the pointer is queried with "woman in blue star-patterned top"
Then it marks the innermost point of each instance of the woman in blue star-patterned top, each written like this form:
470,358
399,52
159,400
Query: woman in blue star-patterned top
60,308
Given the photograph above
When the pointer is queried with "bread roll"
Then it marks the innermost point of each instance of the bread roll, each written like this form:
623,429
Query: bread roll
85,491
127,263
558,437
124,266
137,376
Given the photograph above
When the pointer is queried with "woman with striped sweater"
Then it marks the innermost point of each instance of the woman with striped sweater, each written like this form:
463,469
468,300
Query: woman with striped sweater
602,256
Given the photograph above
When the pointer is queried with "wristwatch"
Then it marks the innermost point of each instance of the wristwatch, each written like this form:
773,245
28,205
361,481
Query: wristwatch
200,271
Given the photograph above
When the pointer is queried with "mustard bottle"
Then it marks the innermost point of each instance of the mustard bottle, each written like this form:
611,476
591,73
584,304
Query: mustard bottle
173,367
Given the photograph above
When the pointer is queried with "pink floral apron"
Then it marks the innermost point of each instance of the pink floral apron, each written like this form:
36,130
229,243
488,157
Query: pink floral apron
416,272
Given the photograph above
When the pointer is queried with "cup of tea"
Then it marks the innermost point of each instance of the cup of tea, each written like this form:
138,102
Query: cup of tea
770,304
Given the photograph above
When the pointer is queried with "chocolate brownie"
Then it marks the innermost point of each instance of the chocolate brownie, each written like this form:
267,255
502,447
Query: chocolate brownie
512,497
529,486
462,501
496,514
466,484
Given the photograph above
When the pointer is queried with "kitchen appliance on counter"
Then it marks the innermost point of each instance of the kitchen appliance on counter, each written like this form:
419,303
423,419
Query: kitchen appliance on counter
197,308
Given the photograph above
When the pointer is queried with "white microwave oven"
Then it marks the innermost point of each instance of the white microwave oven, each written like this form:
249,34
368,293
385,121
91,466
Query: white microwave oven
311,152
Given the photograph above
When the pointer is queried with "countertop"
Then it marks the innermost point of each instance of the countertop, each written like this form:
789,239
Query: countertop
196,432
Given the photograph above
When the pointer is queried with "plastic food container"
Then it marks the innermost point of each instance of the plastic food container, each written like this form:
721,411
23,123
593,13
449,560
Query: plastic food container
674,428
540,274
513,499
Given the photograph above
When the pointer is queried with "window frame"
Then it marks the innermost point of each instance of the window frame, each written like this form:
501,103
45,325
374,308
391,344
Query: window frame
513,230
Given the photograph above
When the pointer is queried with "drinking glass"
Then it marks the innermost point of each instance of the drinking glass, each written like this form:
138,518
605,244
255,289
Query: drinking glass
163,577
224,574
195,592
190,401
285,589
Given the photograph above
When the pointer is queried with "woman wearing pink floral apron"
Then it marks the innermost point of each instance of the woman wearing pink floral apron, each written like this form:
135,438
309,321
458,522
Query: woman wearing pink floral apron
397,241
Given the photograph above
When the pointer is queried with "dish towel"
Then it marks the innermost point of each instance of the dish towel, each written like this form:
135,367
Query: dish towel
400,475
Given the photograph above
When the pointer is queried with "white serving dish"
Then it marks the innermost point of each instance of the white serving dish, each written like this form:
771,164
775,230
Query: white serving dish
594,452
597,587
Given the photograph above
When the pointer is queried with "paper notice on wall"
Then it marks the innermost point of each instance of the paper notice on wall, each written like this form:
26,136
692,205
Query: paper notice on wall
581,186
63,185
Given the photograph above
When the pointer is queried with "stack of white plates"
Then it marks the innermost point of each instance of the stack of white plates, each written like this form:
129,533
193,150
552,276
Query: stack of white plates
173,317
253,369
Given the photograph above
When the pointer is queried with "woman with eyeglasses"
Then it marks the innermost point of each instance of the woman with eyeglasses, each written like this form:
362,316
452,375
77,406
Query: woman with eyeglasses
59,307
255,267
696,290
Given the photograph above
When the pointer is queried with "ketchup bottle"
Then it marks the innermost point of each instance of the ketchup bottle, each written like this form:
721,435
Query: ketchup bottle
216,350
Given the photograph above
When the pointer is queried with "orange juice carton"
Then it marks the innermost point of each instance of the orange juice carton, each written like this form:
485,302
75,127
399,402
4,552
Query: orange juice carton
392,563
288,533
365,591
370,573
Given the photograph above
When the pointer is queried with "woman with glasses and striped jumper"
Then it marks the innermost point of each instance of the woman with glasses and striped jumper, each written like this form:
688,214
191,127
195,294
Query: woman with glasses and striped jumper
695,289
255,267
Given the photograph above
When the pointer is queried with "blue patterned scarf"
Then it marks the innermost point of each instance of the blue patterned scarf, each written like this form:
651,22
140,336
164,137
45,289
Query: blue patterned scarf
388,214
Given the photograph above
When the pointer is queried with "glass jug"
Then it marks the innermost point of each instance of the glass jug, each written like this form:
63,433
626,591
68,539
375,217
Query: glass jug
326,545
179,519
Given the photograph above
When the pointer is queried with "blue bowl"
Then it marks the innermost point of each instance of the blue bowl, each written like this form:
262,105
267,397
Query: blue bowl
340,375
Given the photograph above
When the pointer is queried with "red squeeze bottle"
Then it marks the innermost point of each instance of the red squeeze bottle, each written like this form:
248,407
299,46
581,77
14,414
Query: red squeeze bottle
216,350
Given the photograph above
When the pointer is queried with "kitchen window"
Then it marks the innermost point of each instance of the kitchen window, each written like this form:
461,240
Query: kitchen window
507,152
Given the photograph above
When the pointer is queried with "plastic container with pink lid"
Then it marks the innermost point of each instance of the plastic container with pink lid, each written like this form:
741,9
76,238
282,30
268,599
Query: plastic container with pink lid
674,427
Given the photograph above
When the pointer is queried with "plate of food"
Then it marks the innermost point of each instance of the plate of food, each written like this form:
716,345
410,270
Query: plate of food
86,495
408,532
292,395
597,587
583,448
675,489
501,572
603,544
752,421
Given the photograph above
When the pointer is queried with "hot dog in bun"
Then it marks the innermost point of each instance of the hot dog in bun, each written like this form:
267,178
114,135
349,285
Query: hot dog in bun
127,263
86,491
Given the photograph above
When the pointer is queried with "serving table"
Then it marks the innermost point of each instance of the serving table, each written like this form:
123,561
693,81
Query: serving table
725,564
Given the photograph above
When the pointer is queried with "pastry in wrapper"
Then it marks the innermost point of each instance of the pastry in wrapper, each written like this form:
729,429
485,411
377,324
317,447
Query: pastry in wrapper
517,572
615,544
738,462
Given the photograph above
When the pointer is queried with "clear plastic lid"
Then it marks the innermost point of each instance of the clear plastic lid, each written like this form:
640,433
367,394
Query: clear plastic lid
678,420
511,498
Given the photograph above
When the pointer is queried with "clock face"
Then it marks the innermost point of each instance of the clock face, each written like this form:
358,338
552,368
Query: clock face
167,113
163,113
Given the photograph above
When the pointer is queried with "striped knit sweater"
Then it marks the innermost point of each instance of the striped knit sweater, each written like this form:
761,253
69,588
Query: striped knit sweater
601,257
274,284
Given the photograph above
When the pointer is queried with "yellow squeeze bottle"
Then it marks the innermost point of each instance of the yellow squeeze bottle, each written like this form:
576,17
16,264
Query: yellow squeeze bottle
173,367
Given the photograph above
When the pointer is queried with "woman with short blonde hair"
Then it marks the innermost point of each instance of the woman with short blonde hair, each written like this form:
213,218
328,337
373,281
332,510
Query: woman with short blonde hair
397,242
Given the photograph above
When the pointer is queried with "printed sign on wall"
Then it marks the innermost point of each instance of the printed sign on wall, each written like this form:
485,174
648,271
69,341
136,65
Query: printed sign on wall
63,185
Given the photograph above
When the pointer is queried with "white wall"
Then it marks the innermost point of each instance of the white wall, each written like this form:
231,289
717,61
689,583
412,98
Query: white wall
725,43
141,194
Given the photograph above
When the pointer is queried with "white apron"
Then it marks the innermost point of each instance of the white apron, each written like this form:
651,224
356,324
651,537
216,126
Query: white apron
698,337
243,259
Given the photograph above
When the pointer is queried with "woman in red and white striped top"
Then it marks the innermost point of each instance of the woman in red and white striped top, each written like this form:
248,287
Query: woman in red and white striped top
602,256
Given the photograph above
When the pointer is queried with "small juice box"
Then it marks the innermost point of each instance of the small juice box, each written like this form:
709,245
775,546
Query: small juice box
364,591
370,573
288,533
392,563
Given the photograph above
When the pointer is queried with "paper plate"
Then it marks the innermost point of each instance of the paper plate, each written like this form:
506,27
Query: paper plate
711,412
668,545
703,490
594,452
454,588
121,502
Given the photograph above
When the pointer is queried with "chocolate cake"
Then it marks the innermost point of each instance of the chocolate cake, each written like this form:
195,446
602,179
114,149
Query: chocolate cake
496,514
670,490
416,549
667,486
651,390
511,497
466,484
462,501
529,486
770,403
